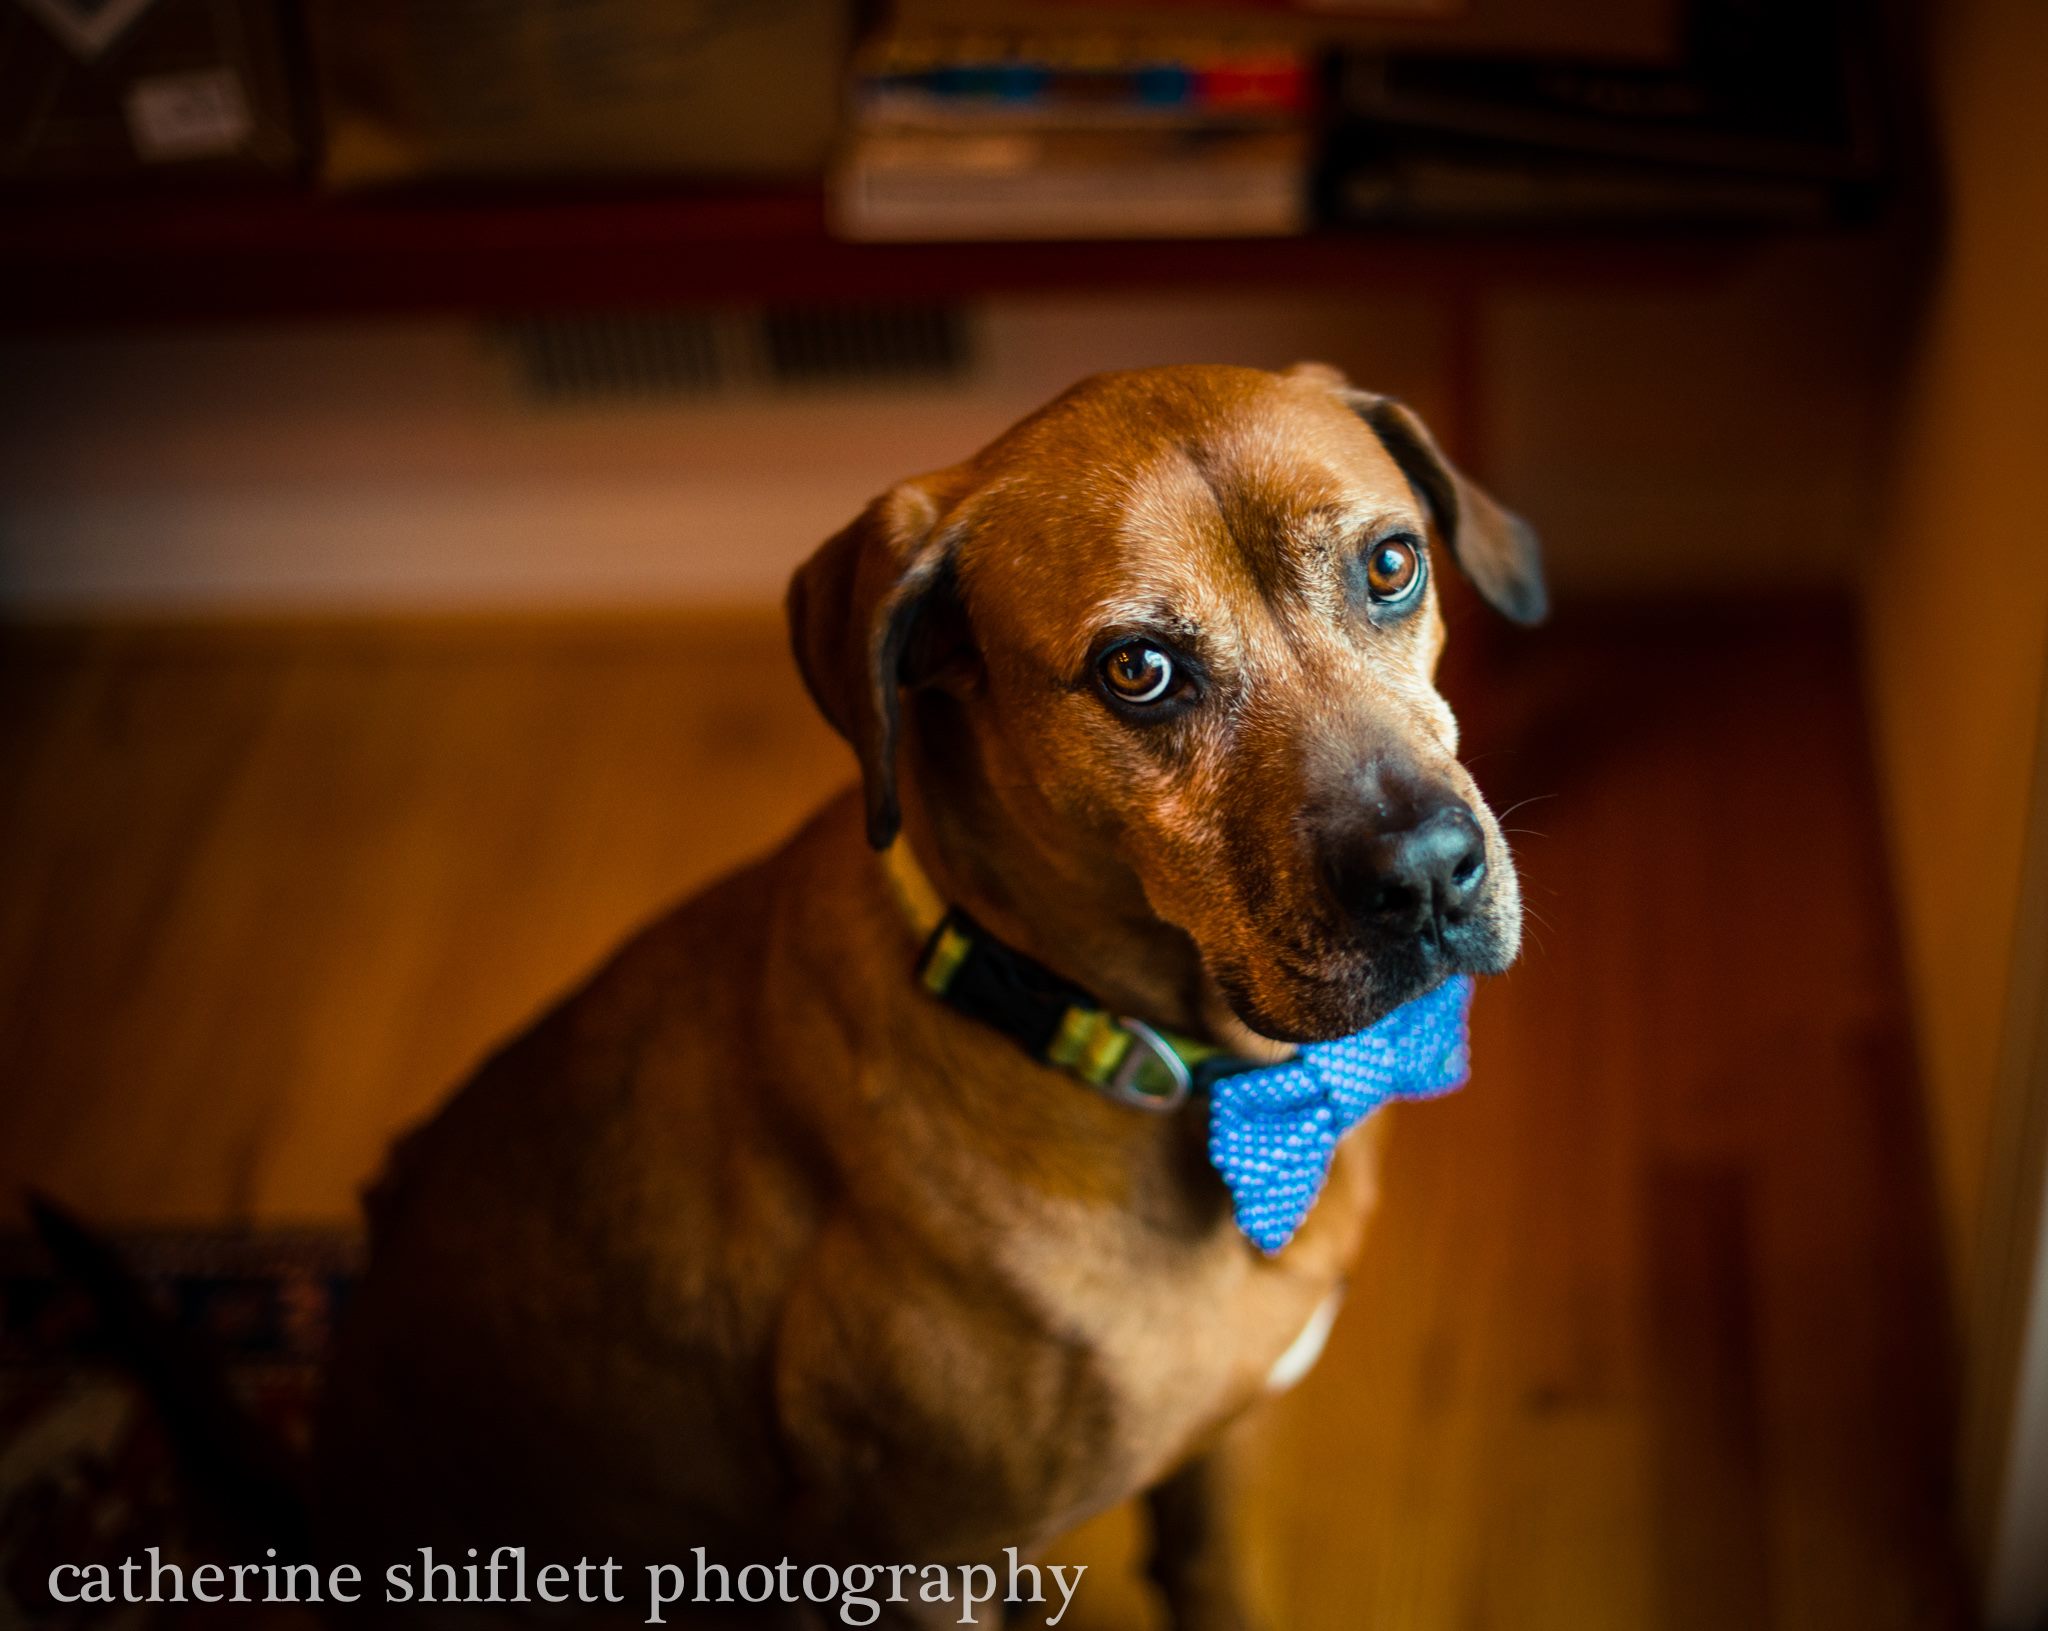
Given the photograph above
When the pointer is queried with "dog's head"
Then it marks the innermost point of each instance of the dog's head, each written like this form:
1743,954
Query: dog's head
1186,618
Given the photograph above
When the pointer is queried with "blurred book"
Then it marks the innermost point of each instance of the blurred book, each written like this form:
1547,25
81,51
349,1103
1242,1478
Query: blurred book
1076,136
541,88
1076,81
1771,113
1640,31
914,186
1457,184
145,91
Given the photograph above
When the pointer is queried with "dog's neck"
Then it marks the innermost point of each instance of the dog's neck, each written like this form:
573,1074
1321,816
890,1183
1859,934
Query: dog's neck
1075,909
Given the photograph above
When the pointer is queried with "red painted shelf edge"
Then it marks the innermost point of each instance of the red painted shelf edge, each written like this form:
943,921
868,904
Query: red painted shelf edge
294,255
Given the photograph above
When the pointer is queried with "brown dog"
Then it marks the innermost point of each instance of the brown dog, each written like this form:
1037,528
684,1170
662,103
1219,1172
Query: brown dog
751,1243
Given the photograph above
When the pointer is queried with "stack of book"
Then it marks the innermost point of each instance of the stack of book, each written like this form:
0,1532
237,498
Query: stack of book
1769,112
953,137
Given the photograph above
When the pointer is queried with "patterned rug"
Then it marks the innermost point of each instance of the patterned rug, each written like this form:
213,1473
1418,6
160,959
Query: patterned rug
85,1474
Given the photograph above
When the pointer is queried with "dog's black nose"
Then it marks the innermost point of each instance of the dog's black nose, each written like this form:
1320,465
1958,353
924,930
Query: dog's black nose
1427,870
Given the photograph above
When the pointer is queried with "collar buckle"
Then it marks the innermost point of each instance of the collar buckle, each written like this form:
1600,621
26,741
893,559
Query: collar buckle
1148,1047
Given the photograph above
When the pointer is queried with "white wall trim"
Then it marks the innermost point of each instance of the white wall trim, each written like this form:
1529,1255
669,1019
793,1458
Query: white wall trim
2005,1427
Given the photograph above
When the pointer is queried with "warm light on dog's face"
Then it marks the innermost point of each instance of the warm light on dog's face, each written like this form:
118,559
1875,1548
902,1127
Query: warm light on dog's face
1237,698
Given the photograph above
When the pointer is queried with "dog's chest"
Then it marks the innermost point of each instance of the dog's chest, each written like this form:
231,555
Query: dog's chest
1182,1351
1185,1342
1307,1347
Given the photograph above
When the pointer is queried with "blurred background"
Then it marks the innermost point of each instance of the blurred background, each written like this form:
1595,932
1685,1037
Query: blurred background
409,416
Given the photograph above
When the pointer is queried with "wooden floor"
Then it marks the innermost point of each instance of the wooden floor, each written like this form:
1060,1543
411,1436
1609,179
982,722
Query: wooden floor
1648,1334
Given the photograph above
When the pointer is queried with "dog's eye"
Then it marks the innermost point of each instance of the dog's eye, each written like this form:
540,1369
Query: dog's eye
1393,569
1137,672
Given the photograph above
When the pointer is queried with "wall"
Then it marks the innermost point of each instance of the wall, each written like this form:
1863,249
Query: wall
1715,439
403,465
1705,430
1957,625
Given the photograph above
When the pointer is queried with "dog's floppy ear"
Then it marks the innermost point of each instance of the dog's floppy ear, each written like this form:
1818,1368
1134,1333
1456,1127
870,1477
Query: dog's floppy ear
855,610
1497,548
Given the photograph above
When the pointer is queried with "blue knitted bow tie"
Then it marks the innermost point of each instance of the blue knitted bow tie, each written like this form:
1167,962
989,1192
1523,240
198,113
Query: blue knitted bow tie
1274,1131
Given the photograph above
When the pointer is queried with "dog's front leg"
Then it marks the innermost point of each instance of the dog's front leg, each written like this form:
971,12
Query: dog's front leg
1194,1550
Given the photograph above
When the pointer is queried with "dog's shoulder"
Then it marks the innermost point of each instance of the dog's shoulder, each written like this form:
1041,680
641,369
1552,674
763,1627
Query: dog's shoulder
659,1051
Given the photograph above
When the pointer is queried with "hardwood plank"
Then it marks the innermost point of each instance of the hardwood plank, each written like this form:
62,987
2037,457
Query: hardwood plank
1711,1477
